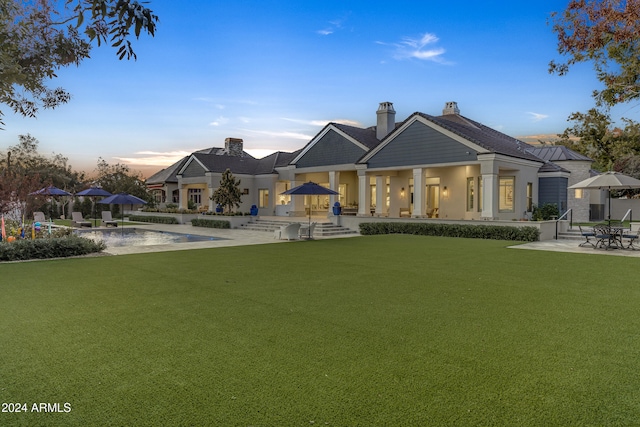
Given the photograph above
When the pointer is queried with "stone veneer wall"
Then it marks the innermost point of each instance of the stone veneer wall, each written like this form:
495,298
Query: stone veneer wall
579,172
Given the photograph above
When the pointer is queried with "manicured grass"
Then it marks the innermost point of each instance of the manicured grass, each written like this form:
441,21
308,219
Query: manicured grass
389,330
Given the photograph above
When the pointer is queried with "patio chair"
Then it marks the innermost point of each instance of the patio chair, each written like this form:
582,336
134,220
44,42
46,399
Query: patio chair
107,220
78,221
631,237
306,231
587,234
288,232
603,236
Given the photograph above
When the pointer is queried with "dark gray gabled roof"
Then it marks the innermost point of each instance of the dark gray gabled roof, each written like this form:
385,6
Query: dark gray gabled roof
167,174
220,163
366,137
484,136
268,164
552,167
554,153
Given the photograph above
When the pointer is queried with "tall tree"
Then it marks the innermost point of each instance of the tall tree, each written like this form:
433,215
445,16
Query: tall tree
607,34
228,193
611,148
24,170
120,178
39,37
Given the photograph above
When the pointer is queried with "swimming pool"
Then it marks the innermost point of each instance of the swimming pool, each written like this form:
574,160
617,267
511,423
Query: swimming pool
141,237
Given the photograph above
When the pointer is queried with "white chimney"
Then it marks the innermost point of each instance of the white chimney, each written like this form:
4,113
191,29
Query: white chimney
386,119
450,108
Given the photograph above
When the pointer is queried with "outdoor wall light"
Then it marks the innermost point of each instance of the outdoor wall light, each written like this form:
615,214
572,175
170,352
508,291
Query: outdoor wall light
445,192
402,192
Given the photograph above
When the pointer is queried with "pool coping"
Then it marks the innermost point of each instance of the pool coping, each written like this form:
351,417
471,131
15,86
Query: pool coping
228,238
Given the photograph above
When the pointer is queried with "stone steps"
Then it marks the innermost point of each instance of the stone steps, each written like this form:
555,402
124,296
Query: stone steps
323,229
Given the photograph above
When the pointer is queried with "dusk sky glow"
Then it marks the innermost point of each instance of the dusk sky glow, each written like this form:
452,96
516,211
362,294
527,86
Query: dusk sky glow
275,72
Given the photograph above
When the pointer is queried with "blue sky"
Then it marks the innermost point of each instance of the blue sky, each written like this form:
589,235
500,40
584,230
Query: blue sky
275,72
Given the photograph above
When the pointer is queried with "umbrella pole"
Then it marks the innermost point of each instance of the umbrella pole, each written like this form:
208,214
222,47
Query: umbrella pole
609,206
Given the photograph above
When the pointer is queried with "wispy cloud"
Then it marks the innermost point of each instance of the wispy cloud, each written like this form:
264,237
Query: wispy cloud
219,121
333,26
282,134
322,123
154,158
422,48
536,117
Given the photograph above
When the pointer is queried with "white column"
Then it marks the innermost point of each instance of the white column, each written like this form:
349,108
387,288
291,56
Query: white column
381,194
297,202
490,195
334,184
363,195
418,193
184,195
209,195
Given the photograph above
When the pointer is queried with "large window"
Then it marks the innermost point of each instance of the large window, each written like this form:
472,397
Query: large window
507,185
195,195
263,194
470,193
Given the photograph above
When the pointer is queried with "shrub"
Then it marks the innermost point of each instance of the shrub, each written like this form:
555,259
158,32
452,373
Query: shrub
545,212
154,219
57,247
210,223
494,232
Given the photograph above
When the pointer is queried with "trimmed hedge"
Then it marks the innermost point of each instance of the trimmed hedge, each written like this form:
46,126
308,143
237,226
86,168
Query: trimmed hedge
154,219
57,247
493,232
210,223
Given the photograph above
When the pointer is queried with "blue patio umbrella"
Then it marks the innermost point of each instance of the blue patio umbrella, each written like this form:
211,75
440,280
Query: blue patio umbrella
50,191
310,189
122,199
94,192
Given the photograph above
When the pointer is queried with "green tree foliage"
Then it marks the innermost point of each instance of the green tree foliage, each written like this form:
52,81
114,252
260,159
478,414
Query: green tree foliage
24,170
119,178
605,33
228,194
39,37
611,148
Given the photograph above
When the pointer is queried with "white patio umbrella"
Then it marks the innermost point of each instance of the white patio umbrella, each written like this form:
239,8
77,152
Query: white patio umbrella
608,180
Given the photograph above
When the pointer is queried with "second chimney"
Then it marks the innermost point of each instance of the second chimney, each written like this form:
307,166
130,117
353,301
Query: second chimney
386,119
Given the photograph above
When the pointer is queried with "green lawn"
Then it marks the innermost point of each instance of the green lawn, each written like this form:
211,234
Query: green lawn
368,331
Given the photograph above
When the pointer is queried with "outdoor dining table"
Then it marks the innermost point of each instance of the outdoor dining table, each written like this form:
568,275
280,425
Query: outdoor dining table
609,236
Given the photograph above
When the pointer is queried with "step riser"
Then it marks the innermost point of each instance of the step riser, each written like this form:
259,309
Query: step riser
322,228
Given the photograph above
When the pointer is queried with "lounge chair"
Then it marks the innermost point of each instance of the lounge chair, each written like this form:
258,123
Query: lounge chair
78,221
107,220
288,231
306,231
39,217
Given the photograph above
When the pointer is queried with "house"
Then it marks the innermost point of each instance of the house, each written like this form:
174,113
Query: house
446,166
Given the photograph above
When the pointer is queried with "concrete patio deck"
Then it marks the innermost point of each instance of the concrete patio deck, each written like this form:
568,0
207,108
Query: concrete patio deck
572,246
241,237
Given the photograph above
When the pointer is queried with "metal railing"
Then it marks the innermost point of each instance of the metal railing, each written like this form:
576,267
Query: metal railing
628,214
568,212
